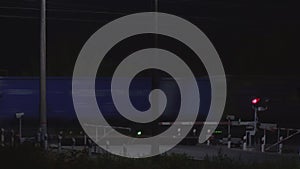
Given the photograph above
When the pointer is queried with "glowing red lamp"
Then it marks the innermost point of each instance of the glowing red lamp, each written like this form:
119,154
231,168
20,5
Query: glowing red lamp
255,101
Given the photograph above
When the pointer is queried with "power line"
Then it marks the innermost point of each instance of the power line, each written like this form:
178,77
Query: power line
19,8
19,17
216,19
85,5
49,18
73,11
57,10
64,10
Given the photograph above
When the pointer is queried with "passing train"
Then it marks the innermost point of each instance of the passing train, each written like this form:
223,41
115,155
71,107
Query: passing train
21,94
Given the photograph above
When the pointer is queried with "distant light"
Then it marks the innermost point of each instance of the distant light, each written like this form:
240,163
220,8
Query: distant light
255,101
218,132
139,133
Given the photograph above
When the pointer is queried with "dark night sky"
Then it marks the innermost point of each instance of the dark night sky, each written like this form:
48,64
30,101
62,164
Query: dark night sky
252,37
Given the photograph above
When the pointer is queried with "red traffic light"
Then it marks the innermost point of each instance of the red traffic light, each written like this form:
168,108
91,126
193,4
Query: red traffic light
255,101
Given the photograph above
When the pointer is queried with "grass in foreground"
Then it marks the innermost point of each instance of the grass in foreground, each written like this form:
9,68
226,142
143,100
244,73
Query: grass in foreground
35,158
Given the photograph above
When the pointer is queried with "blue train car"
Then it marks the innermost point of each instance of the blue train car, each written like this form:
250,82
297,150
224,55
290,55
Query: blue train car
21,94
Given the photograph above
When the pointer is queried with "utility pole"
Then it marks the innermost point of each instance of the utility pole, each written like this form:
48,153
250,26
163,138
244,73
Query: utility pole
155,80
43,108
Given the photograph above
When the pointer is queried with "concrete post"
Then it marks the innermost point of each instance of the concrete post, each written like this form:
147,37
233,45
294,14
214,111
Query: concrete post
245,143
264,140
20,130
46,142
97,135
263,144
12,138
229,134
107,144
71,135
179,132
59,141
73,143
90,145
2,137
124,150
280,145
38,137
208,137
194,132
208,142
229,141
84,141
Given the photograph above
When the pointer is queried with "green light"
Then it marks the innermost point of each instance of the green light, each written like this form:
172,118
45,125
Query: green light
218,132
139,133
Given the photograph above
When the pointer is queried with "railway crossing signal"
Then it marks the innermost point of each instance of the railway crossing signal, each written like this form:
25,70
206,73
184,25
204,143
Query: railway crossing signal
255,101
